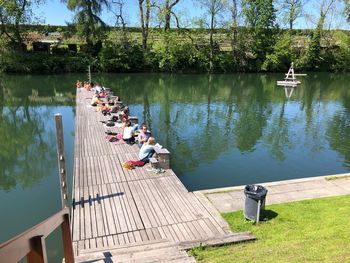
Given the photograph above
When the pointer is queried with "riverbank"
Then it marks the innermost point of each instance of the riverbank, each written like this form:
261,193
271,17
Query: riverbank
230,199
314,229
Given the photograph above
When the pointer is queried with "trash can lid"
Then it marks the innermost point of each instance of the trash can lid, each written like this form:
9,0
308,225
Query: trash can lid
255,190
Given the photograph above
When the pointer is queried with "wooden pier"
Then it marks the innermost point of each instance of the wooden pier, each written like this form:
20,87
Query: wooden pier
119,213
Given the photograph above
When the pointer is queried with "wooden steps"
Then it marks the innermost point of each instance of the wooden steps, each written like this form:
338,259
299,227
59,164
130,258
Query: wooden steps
142,252
218,241
159,251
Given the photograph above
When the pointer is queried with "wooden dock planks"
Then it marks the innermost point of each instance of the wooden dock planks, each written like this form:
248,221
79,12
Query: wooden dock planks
114,207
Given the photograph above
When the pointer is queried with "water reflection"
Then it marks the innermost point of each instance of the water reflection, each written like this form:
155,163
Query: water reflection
289,91
222,130
27,140
246,119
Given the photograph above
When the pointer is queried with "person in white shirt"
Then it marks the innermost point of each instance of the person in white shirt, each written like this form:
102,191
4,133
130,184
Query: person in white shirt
128,133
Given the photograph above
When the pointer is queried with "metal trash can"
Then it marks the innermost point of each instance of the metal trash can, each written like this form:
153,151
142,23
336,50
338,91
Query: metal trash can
254,201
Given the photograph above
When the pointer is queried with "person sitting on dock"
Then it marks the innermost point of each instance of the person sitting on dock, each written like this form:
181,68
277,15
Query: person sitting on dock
143,135
105,109
147,150
78,84
128,133
96,100
125,114
103,94
117,105
97,88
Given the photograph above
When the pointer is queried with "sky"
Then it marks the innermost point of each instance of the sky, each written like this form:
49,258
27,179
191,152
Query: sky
54,12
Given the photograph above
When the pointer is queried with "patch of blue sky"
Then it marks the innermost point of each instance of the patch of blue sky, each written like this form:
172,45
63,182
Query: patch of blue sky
54,12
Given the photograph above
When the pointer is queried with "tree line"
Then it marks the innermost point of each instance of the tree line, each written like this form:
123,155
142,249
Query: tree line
261,36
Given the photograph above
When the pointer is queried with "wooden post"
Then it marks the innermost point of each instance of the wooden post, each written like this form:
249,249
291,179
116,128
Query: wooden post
67,240
163,156
61,160
89,74
37,253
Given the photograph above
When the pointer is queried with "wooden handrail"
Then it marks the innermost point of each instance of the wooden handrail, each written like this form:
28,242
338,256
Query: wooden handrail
31,243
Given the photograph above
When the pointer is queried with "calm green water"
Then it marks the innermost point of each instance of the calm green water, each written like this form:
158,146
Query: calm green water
222,130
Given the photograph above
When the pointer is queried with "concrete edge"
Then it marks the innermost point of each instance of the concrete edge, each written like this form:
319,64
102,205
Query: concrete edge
241,187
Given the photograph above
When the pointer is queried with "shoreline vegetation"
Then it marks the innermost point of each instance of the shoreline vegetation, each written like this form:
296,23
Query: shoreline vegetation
172,52
230,36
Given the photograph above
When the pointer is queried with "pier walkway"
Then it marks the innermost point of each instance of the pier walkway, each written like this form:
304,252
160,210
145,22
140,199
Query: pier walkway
134,215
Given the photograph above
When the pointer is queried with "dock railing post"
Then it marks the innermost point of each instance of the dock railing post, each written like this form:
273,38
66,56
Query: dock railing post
67,240
61,160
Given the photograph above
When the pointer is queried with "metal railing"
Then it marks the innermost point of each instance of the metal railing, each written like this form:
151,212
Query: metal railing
31,243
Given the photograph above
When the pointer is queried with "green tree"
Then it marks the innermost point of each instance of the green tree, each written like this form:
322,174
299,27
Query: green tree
234,26
13,14
166,12
281,57
87,19
347,9
213,12
145,13
120,23
292,9
314,56
261,20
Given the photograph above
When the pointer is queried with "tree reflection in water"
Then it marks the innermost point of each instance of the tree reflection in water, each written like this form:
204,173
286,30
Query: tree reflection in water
27,152
200,118
338,131
208,122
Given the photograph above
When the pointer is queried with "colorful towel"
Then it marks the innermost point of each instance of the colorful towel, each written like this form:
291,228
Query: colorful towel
121,141
138,163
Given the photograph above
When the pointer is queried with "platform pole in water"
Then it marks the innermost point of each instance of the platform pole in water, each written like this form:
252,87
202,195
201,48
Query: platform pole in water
61,160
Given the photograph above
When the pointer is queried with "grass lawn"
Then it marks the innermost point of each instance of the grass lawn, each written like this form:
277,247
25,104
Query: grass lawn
315,230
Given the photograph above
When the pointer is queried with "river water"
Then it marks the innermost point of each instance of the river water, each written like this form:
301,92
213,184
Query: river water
221,130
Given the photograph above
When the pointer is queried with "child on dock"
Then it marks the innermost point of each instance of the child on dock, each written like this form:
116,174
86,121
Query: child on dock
143,135
128,133
125,114
147,150
96,100
78,84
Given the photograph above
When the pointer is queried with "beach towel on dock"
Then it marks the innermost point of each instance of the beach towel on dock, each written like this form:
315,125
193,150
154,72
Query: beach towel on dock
120,141
138,163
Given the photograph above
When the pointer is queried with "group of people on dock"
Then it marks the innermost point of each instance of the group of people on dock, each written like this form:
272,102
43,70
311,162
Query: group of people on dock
103,101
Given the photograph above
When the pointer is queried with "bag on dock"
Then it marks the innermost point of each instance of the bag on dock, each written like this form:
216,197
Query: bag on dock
110,124
115,109
114,118
111,133
113,139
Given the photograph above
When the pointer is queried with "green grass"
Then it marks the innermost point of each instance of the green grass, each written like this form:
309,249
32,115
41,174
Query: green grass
315,230
331,178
